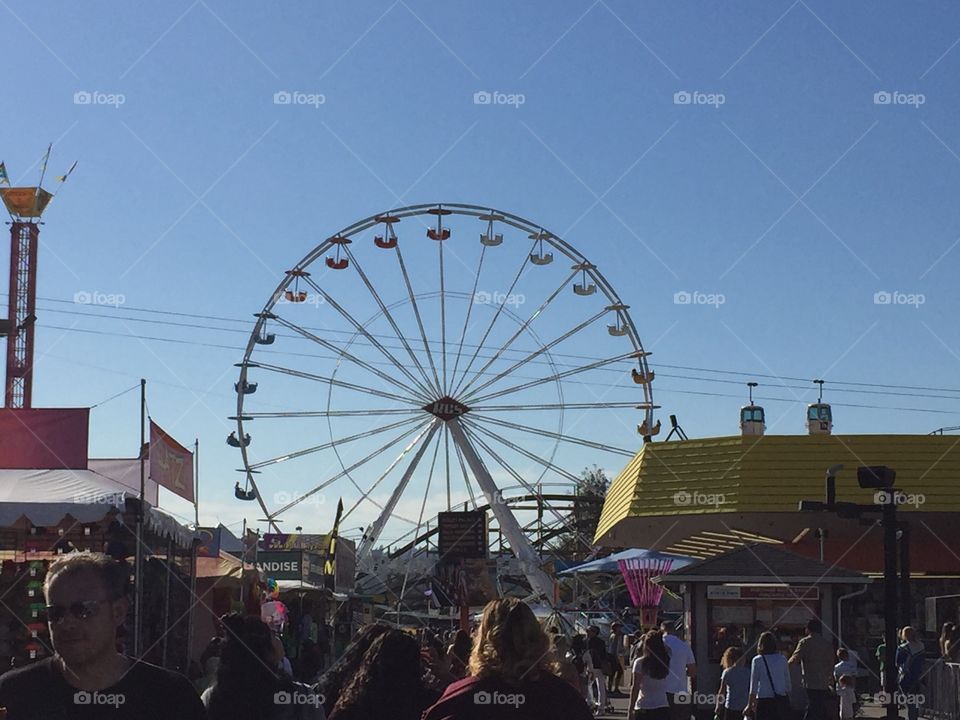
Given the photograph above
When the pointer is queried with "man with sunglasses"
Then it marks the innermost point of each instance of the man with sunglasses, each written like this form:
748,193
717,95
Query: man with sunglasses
87,678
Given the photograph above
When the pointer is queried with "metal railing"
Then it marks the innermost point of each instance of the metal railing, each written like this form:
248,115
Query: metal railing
941,691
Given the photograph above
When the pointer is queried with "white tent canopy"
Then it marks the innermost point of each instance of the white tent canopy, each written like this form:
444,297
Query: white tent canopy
44,497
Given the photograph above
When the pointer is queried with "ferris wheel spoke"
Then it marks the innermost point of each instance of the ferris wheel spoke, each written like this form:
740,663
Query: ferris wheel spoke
463,469
325,446
557,376
346,471
331,413
387,314
516,448
509,526
424,389
373,531
466,322
561,406
343,353
446,452
443,320
333,381
503,302
416,313
535,354
423,507
530,489
503,348
552,435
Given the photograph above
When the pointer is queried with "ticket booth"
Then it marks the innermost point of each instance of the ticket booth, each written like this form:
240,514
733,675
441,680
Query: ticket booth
730,599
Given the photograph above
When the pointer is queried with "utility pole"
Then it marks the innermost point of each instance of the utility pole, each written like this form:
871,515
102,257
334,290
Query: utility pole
895,607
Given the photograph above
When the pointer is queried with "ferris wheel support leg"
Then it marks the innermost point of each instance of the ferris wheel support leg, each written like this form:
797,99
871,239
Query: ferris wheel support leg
373,532
530,562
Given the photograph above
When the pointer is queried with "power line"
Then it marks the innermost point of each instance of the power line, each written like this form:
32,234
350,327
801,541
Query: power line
197,316
660,389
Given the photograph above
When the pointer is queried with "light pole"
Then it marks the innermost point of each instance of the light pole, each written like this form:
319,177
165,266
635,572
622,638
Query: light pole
880,479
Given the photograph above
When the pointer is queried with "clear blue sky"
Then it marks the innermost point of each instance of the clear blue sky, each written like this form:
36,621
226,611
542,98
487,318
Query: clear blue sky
786,186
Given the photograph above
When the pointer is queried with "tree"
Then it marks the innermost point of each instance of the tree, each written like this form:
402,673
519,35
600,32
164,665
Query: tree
591,489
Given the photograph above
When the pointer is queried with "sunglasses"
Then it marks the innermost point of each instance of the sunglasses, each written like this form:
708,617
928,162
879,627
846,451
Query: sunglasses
81,610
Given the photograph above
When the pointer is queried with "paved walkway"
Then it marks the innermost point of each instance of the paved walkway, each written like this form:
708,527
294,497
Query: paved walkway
868,710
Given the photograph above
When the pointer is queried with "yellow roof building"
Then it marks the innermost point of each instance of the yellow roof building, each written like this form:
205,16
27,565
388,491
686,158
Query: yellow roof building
706,496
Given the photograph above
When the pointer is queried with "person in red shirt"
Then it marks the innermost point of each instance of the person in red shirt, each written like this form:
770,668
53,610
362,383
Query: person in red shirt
511,673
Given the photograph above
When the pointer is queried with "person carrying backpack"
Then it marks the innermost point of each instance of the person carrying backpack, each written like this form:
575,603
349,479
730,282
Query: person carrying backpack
910,656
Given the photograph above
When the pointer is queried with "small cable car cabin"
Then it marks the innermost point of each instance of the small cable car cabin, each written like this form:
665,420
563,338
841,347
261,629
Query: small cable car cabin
819,418
752,419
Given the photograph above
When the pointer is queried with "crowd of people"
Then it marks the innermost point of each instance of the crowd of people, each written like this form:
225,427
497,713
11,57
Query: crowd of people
509,667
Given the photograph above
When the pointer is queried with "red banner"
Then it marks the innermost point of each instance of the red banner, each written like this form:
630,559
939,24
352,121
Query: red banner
171,464
44,438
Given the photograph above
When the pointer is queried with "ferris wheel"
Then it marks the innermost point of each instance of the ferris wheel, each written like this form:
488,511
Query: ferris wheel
433,357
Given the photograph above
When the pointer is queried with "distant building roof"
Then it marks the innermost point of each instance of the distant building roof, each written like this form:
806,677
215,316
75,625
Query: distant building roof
762,562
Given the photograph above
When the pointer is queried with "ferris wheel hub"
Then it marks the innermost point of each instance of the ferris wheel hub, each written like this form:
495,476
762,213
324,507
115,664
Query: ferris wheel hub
446,408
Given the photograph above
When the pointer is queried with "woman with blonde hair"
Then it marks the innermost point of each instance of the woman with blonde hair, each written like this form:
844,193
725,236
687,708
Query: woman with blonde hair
510,673
734,692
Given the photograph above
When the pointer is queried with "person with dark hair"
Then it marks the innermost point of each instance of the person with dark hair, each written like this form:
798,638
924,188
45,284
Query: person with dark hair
511,673
815,655
600,664
311,662
769,682
579,657
616,654
648,691
951,647
387,683
946,633
459,654
86,595
335,679
249,685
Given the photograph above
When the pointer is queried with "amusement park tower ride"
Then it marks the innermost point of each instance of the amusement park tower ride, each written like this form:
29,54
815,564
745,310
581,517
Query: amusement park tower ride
25,205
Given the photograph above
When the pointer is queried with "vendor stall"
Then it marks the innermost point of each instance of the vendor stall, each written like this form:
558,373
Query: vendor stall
44,513
224,584
730,599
